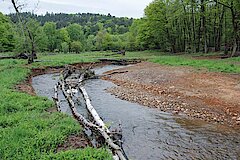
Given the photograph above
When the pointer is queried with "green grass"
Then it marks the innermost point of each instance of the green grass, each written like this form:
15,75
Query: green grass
89,153
229,65
27,131
3,54
226,65
63,59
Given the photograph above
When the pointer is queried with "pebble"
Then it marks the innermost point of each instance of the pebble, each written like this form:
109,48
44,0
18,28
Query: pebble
176,106
234,118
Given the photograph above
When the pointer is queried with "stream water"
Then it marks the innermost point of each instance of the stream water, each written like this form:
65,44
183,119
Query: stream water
149,133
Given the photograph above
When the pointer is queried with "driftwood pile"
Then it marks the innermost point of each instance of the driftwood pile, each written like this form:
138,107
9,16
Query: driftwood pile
71,84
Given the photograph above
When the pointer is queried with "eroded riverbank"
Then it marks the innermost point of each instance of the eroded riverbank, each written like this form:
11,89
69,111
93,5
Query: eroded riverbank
150,133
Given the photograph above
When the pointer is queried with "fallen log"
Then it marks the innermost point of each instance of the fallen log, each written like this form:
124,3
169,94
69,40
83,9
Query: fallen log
19,56
115,72
99,125
92,110
55,98
119,61
7,57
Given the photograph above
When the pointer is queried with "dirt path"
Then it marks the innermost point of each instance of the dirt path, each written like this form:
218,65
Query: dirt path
181,90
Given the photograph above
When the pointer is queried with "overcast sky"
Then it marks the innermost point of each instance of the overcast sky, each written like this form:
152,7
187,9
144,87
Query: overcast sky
119,8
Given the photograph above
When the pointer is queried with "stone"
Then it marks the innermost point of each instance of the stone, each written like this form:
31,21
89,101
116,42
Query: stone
234,118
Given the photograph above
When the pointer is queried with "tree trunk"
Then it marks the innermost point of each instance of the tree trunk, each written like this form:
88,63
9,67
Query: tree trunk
219,32
235,31
193,29
203,27
29,34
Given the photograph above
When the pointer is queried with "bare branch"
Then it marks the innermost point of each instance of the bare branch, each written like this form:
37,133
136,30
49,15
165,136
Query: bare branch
225,5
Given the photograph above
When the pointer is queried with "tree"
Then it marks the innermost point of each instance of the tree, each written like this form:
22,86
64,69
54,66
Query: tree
103,40
41,39
90,45
189,26
38,38
62,36
28,34
234,7
75,32
50,30
7,42
76,47
133,35
64,47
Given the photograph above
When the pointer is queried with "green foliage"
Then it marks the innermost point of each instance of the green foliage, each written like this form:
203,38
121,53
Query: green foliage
41,40
170,26
93,31
188,26
76,47
77,37
90,44
63,35
65,47
103,40
50,30
75,32
88,153
28,135
90,22
7,41
23,42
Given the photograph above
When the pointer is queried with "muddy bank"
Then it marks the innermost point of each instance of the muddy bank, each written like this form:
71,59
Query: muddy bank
74,142
204,95
26,85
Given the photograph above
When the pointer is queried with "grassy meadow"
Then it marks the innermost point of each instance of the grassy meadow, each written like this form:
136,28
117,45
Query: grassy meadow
229,65
28,131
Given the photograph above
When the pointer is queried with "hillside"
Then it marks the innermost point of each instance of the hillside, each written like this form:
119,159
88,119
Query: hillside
90,22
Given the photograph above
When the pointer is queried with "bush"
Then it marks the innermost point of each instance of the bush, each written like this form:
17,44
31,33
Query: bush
65,47
76,47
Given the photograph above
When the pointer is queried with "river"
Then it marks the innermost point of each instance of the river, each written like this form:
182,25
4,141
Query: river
149,133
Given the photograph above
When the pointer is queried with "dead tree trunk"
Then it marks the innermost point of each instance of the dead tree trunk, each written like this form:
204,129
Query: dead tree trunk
29,34
97,125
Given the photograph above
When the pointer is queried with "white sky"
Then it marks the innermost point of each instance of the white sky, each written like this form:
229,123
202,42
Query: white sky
119,8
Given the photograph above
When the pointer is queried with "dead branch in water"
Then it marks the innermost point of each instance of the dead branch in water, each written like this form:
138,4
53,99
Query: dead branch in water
71,82
55,98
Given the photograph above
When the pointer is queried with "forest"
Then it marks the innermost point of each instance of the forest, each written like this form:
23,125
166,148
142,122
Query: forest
188,26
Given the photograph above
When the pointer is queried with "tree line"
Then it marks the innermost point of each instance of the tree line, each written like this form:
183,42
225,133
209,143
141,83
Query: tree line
188,26
89,21
97,32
